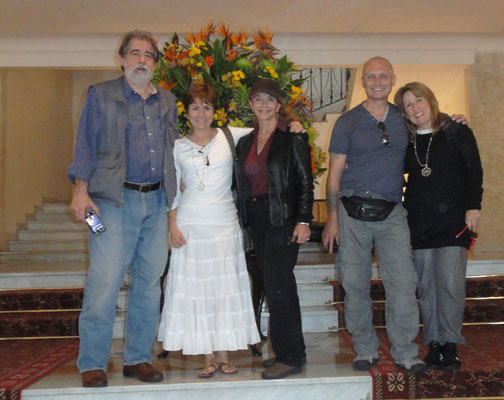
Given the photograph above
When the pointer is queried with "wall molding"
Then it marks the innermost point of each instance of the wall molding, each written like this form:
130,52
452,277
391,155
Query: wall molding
99,51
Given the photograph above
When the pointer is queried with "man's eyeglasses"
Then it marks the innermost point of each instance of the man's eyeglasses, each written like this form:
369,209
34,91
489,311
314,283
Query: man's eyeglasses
384,137
472,235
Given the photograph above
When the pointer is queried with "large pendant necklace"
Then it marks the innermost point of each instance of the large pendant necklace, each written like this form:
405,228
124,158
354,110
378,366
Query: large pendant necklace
206,162
426,170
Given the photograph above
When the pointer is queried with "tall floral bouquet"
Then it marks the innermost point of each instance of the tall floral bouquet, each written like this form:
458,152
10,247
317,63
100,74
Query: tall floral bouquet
231,63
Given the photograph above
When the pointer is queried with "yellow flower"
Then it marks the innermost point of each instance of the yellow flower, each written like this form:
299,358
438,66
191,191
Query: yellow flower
296,89
271,71
295,92
220,115
219,123
237,75
199,64
199,43
180,108
194,51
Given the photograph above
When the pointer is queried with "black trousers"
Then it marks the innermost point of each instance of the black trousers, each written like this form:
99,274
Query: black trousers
277,258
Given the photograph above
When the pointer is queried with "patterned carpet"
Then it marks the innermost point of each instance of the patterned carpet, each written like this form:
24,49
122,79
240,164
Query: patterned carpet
24,362
481,374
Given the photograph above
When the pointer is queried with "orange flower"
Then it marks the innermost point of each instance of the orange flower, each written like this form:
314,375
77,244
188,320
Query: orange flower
190,38
243,37
232,54
262,42
209,60
209,30
235,38
224,30
167,85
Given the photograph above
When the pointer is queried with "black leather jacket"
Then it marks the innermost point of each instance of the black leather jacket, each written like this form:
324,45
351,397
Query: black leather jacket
290,178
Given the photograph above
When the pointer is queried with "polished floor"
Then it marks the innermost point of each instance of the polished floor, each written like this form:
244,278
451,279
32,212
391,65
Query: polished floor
328,355
328,367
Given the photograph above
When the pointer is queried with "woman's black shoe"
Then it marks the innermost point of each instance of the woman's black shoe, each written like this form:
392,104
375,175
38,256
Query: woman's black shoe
435,358
451,359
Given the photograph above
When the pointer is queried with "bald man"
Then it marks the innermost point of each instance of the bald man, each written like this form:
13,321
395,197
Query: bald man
364,191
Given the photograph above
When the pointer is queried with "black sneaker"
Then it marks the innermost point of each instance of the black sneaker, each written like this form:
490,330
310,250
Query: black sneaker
435,358
451,359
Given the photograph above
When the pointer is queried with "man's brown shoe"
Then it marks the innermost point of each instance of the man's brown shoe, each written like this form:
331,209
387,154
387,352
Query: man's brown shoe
280,370
144,372
94,378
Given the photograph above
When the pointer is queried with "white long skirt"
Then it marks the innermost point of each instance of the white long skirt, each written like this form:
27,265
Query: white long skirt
208,305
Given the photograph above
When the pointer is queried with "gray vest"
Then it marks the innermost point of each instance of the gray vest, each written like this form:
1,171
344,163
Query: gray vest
108,179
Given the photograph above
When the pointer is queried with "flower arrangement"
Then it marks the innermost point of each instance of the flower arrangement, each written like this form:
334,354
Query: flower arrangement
231,63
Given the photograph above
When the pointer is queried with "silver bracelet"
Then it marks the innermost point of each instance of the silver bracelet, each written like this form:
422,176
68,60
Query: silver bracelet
304,223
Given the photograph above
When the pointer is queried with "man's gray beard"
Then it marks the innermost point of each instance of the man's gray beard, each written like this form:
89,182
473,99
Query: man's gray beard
137,79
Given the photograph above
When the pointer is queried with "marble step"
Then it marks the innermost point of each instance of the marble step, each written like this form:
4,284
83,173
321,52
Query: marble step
314,319
319,273
55,226
43,256
312,247
327,375
47,245
314,294
53,216
24,275
54,207
74,234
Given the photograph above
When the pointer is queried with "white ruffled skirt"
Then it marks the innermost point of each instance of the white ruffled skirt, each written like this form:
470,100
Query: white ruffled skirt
208,304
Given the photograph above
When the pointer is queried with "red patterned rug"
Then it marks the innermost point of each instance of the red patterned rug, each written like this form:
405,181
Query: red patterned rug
24,362
481,374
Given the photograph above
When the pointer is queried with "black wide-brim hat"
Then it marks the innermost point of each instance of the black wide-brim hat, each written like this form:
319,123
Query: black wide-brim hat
267,86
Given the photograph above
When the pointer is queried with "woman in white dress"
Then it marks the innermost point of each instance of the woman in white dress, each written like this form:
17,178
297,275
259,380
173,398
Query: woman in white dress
208,307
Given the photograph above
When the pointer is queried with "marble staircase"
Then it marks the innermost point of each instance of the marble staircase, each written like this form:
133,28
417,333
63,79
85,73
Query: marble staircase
50,255
49,235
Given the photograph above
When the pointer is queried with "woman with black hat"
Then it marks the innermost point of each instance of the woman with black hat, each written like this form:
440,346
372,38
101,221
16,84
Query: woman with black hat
278,191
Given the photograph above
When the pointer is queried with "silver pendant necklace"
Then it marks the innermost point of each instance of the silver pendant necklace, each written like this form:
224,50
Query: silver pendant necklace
426,170
204,151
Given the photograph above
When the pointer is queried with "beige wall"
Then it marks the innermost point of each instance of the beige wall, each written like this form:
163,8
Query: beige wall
82,79
486,88
36,142
448,82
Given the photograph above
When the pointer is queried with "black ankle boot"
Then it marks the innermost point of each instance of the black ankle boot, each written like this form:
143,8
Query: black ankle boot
435,358
451,359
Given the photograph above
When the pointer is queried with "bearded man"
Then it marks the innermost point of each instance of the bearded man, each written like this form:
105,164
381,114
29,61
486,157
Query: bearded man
123,170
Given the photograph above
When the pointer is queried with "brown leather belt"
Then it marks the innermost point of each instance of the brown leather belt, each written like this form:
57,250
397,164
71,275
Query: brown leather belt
143,187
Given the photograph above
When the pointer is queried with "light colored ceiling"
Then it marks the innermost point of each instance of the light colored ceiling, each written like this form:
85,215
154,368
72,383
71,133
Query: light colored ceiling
56,17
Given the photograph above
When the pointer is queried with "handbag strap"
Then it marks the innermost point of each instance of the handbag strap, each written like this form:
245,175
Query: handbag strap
229,137
236,169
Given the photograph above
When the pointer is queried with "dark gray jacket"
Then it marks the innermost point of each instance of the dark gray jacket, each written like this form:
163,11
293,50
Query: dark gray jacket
108,179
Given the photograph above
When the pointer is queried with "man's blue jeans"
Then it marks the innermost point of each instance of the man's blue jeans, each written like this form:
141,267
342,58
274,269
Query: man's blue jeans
136,238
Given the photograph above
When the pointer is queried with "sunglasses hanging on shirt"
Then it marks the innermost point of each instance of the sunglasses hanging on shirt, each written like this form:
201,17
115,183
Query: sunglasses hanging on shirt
384,138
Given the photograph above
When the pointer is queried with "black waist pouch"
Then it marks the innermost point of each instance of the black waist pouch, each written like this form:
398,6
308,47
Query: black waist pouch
366,209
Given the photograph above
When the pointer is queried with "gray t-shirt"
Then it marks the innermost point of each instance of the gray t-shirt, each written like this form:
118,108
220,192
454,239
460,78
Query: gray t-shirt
371,165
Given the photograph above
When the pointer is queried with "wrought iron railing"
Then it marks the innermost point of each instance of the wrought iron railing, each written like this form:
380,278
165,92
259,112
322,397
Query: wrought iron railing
324,86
